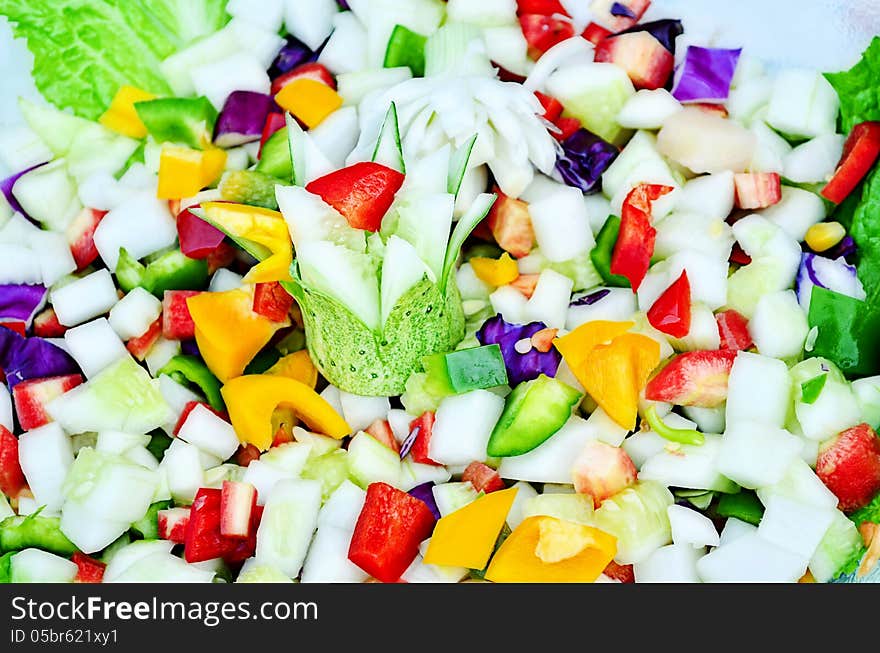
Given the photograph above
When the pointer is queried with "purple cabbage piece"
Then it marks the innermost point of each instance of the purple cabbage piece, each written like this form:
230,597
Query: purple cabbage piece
618,9
846,248
6,187
424,492
343,4
408,443
21,301
292,54
832,274
520,367
583,159
705,75
190,348
592,298
32,358
242,119
665,31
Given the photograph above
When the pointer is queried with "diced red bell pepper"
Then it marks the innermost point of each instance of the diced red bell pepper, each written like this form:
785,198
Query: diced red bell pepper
595,33
567,127
511,225
221,257
671,313
81,236
552,106
189,407
46,324
860,152
713,109
274,122
506,76
12,479
172,523
177,323
272,301
738,256
381,431
312,70
647,61
543,7
198,239
15,325
482,477
203,538
138,347
632,253
543,32
622,573
419,450
734,331
89,570
32,396
283,435
362,193
388,532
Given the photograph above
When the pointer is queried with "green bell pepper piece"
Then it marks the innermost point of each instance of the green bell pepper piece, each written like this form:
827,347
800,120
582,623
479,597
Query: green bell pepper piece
437,381
159,442
5,562
190,369
170,271
20,532
603,251
847,332
275,156
406,48
810,390
249,187
683,436
744,506
179,120
476,368
148,525
534,411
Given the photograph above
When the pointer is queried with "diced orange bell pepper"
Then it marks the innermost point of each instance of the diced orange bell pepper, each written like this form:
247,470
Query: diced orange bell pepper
577,345
466,537
121,116
308,100
229,334
183,171
252,399
297,366
495,272
262,232
571,552
615,374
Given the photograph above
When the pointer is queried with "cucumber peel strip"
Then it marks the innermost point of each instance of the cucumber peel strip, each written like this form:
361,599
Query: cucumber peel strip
388,150
682,436
458,164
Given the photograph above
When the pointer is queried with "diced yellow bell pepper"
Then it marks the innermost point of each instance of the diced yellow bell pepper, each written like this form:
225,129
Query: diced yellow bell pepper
615,374
183,172
518,559
466,537
263,227
308,100
297,366
251,400
495,272
577,345
121,116
228,332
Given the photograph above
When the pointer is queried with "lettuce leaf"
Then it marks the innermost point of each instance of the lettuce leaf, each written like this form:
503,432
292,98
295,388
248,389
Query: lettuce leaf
865,230
84,50
858,90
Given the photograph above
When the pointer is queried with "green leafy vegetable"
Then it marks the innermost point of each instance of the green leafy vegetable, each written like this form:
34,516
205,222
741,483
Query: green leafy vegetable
865,230
84,50
847,331
858,90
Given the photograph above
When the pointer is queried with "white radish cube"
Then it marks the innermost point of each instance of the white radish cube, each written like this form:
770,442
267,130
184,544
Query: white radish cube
48,195
160,353
549,302
327,560
598,210
46,455
755,455
709,195
816,160
674,563
94,345
289,520
617,306
399,421
795,526
264,476
506,46
734,529
796,212
338,133
800,483
118,442
346,49
6,409
142,224
510,303
770,150
53,253
524,492
835,410
359,411
707,276
120,492
708,420
343,507
463,424
134,313
685,230
224,279
751,559
183,469
19,264
642,446
241,71
210,433
703,334
606,429
5,509
779,326
758,390
803,104
692,528
413,474
561,224
551,461
269,16
38,566
648,109
177,396
749,98
311,22
85,298
688,466
259,40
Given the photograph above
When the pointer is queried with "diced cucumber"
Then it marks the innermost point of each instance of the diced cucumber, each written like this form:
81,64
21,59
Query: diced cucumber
307,161
249,187
254,572
840,543
48,195
406,48
289,520
354,87
452,496
638,162
571,507
551,462
425,221
36,566
370,461
327,560
689,466
637,517
162,568
389,151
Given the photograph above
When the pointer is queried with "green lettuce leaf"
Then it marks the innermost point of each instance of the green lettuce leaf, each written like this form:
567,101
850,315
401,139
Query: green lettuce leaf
865,230
858,90
84,50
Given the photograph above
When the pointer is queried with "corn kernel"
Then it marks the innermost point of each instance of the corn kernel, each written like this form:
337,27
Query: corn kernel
825,235
121,115
308,100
